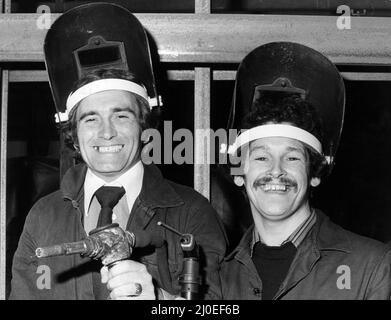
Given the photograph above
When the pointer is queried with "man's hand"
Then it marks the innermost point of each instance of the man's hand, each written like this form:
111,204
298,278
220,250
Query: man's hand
126,278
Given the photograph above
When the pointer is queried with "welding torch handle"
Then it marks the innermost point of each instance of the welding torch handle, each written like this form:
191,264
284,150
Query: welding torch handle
94,246
190,279
81,247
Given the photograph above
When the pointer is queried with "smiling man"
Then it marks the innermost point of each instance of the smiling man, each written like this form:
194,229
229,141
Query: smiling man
289,102
276,183
109,100
109,132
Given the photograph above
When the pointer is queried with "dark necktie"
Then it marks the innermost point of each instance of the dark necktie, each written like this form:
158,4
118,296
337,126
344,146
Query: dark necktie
108,198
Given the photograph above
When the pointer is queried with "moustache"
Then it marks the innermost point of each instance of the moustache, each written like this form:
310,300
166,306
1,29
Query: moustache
283,180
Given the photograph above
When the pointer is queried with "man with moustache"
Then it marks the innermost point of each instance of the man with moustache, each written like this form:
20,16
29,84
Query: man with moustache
289,102
108,89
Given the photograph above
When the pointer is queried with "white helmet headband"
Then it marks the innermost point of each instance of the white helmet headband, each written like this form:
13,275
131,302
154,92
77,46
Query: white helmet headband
275,130
103,85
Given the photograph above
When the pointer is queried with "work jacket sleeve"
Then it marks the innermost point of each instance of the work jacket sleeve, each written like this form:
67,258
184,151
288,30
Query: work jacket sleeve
25,284
379,287
210,235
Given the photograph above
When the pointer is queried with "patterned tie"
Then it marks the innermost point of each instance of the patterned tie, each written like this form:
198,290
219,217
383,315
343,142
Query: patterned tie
108,198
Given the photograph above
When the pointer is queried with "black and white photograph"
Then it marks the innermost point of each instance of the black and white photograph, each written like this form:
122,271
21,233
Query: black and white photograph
213,151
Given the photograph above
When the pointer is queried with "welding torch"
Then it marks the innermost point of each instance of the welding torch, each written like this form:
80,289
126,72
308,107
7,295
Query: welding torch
190,279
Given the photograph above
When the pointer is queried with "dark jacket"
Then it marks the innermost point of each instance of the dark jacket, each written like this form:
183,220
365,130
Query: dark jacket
331,263
57,218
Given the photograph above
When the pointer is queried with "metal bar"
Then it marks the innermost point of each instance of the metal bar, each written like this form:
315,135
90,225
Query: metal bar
3,182
180,75
366,76
217,38
202,83
7,6
224,75
188,75
28,76
229,75
42,76
201,122
202,6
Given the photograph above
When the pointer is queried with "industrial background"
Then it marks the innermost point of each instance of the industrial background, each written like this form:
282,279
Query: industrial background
197,45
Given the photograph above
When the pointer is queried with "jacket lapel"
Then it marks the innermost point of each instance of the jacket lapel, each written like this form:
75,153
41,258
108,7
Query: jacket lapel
324,236
242,254
156,192
305,259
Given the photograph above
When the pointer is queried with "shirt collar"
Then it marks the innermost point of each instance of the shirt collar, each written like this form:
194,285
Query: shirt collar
296,237
131,180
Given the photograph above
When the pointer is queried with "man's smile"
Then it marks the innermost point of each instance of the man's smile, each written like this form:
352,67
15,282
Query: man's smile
271,187
281,185
109,149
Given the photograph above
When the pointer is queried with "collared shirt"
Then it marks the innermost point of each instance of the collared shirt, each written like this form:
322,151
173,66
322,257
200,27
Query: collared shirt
296,237
131,181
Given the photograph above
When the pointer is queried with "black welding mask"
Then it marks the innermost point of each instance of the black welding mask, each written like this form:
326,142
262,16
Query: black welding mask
290,68
97,36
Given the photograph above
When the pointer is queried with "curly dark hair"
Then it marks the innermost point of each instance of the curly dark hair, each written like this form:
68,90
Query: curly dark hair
289,108
147,118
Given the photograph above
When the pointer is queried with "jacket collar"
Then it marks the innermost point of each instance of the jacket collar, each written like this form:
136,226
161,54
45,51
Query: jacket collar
156,192
328,235
73,181
242,251
325,236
